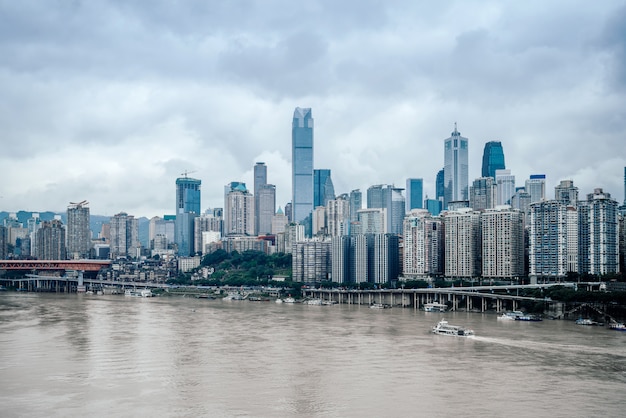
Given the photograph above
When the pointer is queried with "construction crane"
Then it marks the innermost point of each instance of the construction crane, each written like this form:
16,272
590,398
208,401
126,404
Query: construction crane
187,172
79,204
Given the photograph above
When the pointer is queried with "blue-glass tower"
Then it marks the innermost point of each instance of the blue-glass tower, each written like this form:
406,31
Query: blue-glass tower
187,208
414,194
493,159
302,164
323,189
439,185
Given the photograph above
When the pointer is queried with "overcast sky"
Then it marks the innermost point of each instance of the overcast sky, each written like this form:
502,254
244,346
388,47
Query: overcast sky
110,101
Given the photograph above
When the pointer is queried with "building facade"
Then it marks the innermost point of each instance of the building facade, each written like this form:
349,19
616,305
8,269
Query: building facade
598,234
78,231
456,168
124,236
423,245
505,182
462,243
238,210
260,179
414,194
302,164
536,187
483,193
493,159
502,232
323,189
311,261
187,208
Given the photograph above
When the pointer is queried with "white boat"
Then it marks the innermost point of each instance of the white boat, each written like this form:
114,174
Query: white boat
585,321
444,328
617,326
234,296
313,302
279,300
289,300
379,306
143,293
511,315
435,307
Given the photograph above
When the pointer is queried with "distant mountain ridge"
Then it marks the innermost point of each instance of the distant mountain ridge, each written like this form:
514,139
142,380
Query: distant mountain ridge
95,222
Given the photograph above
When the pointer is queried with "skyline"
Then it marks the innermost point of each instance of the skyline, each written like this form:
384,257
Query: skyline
115,113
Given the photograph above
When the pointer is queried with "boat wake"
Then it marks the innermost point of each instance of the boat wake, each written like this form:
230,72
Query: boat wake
547,346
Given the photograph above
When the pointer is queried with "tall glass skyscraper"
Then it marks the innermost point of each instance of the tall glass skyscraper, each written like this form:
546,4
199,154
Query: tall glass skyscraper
187,208
414,194
323,189
439,185
493,159
302,164
455,171
260,179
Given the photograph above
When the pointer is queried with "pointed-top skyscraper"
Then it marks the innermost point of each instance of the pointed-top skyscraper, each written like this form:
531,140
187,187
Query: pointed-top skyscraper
302,164
456,167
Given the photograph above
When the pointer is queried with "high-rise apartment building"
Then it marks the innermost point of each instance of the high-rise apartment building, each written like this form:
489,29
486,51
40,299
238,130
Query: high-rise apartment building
78,231
50,241
311,260
521,201
164,228
598,234
536,187
279,222
318,221
206,222
423,245
238,210
553,239
386,260
370,221
456,168
338,216
302,164
187,208
505,186
493,159
502,231
340,258
4,242
124,236
483,193
566,192
414,194
462,243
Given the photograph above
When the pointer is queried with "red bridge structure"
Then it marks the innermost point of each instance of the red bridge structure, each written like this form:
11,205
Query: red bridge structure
29,266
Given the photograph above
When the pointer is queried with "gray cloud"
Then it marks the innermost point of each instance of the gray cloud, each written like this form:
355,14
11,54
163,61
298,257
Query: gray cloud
110,101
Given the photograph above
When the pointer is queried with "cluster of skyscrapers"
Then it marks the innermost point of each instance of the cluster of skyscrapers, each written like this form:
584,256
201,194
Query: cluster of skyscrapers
487,228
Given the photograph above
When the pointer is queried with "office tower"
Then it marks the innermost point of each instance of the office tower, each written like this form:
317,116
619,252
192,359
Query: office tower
265,208
289,211
302,164
260,178
536,187
124,236
356,204
294,233
598,234
414,194
50,241
483,193
311,260
279,222
371,221
238,210
4,242
456,168
566,192
462,243
386,260
440,186
423,245
390,198
338,216
506,186
502,231
78,232
164,228
187,208
376,196
323,189
493,159
433,206
552,239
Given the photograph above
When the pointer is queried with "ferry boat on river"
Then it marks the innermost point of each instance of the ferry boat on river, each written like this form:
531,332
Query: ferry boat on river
435,307
444,328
